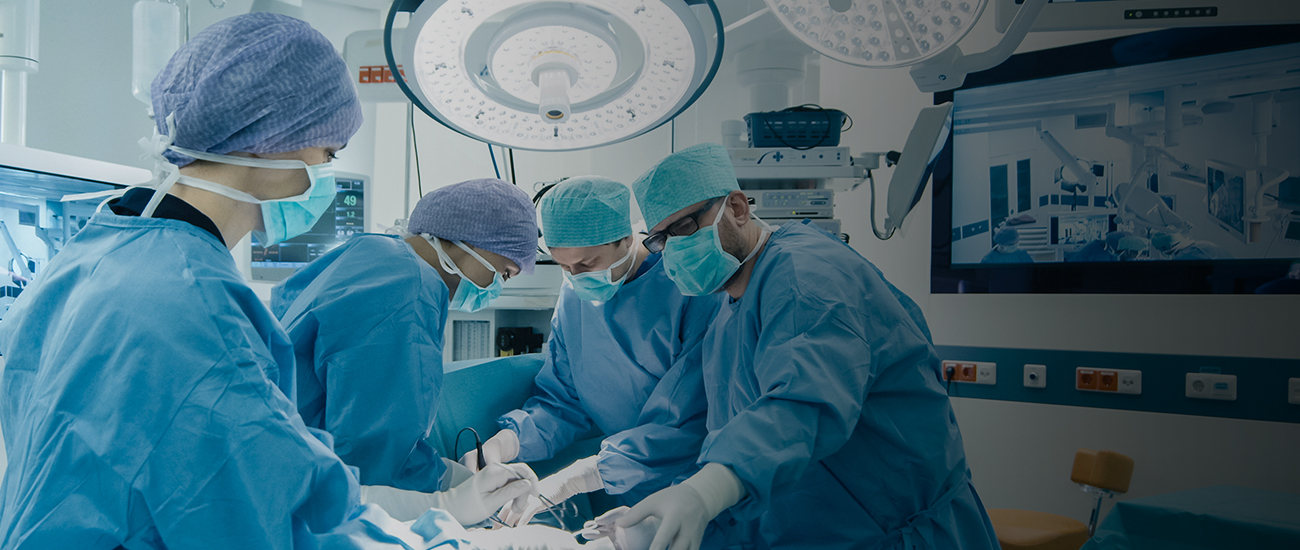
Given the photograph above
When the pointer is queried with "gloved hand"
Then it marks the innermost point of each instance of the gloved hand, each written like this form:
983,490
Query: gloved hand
637,537
456,474
470,503
686,509
528,537
503,447
580,477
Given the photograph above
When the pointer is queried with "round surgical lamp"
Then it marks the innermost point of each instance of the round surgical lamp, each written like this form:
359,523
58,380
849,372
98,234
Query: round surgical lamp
553,75
896,33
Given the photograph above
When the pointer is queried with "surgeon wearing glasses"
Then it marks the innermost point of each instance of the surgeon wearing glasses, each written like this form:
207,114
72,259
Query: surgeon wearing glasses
829,426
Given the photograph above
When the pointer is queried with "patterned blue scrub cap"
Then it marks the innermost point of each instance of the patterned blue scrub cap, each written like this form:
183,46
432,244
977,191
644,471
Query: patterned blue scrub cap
487,213
258,83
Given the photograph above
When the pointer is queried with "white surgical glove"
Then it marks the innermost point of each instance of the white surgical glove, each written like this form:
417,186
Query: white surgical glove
528,537
580,477
684,510
470,502
636,537
503,447
458,472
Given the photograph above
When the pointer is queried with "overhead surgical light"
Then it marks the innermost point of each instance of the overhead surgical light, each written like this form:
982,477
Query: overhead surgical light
896,33
553,75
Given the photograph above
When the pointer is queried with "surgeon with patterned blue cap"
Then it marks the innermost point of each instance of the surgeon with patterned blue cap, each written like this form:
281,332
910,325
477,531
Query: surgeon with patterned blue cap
148,393
366,321
623,356
829,426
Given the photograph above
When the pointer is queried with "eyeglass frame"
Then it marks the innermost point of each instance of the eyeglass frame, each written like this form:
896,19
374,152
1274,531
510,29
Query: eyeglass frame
656,241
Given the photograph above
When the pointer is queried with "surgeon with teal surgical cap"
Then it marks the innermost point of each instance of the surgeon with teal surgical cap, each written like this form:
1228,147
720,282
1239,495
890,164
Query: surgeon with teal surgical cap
623,356
148,393
366,321
829,426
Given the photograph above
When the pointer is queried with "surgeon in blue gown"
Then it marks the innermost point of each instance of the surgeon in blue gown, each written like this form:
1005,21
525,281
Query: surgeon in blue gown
366,321
623,356
829,426
1006,249
147,391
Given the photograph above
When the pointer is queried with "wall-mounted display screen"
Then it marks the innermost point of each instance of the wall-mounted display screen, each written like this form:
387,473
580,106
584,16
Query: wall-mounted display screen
1161,148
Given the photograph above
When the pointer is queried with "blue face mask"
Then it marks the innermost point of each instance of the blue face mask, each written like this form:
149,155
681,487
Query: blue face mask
698,264
598,286
469,297
282,219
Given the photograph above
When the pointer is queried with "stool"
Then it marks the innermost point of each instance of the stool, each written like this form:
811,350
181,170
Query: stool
1099,473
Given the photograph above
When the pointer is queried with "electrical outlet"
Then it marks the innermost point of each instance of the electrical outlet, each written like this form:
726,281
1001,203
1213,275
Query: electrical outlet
1035,376
1293,391
1108,380
1201,385
971,371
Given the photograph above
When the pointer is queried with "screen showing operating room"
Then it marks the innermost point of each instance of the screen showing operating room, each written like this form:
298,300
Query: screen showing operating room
1174,160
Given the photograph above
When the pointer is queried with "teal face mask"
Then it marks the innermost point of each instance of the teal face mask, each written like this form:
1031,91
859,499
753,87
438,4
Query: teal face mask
698,264
597,286
468,297
282,219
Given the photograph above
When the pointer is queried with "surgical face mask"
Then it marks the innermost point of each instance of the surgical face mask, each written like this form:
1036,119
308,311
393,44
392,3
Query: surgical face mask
468,297
282,219
599,286
697,262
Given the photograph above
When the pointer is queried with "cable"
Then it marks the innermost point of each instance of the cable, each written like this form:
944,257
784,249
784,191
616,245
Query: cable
879,234
493,154
511,153
672,136
419,181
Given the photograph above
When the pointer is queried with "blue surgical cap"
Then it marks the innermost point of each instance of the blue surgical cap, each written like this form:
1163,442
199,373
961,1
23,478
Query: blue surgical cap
586,211
1006,236
259,83
487,213
694,174
1114,237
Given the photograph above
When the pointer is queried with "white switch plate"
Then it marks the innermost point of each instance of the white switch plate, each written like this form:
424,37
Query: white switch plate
1293,391
1222,387
986,373
1035,376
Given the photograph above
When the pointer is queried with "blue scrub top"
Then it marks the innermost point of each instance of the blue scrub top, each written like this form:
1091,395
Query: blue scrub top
631,367
825,399
366,321
145,406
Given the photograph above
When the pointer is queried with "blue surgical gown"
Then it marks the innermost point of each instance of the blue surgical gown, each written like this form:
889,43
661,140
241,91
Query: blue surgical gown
1200,250
631,367
366,321
1094,251
145,406
825,399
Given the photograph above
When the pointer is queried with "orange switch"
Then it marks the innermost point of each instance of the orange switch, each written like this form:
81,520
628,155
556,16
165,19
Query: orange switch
1085,379
1108,380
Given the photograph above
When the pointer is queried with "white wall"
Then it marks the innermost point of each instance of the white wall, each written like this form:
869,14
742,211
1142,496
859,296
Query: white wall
1021,453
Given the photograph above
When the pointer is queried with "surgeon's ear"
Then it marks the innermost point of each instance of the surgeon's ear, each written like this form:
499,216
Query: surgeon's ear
737,205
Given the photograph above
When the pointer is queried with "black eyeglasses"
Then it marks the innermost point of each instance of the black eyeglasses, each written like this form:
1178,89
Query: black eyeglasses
687,225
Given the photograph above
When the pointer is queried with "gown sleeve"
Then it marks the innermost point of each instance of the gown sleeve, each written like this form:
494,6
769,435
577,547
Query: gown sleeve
812,363
552,418
665,443
381,394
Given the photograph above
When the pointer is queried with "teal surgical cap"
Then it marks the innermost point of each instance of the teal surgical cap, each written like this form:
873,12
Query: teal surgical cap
694,174
585,211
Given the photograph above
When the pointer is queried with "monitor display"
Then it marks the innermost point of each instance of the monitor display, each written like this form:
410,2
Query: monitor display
1166,147
346,219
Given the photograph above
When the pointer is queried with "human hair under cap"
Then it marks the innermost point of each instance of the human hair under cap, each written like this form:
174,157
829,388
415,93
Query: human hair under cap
487,213
257,83
585,211
697,173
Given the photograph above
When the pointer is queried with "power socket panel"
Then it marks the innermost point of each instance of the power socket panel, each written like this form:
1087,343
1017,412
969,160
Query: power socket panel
1125,381
971,372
